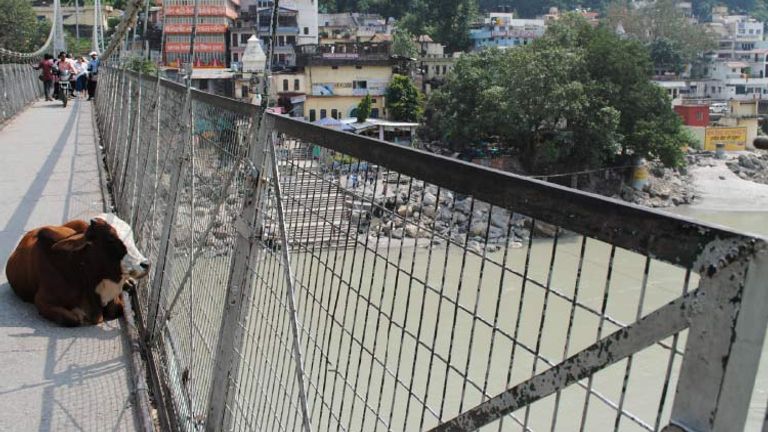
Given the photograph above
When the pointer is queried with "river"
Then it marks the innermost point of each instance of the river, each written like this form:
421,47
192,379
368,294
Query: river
399,304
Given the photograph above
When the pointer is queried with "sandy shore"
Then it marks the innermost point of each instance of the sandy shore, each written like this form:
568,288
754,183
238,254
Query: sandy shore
718,188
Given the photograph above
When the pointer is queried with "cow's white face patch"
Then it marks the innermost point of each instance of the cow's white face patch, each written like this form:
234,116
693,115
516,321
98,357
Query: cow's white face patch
108,290
133,264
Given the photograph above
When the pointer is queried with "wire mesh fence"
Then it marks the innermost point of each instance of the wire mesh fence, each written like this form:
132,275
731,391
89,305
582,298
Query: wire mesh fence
309,279
20,87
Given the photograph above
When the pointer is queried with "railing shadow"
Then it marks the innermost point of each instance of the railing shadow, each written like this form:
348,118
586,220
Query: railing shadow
78,363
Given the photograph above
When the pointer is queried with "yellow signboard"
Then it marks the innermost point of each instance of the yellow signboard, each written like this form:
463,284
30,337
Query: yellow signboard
734,138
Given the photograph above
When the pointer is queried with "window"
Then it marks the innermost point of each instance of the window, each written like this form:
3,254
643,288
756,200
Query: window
699,116
235,57
323,113
234,39
334,67
335,113
445,69
291,40
296,85
285,85
373,101
246,90
244,38
375,113
312,115
358,67
359,85
306,30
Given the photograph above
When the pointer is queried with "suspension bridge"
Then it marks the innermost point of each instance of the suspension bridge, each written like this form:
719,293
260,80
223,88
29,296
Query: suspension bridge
309,279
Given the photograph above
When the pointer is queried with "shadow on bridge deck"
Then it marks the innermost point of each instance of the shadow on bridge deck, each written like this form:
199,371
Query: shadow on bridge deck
54,378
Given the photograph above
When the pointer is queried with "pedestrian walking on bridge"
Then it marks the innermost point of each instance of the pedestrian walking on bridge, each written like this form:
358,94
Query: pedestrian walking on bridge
46,74
93,73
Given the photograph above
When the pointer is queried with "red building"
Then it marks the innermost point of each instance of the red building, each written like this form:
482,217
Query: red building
215,20
693,115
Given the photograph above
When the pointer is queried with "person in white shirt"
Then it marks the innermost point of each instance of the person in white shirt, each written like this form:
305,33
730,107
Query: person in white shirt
81,77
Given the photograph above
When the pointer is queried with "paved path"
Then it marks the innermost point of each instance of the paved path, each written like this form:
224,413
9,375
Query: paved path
54,378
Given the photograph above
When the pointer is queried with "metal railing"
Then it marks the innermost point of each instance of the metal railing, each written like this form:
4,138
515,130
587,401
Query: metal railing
20,87
309,279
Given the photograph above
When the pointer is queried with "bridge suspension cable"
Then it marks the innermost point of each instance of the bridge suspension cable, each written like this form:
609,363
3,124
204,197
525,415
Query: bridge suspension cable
56,41
47,45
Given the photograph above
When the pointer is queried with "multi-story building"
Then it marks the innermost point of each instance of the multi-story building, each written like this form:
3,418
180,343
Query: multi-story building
297,25
352,27
337,77
215,17
434,64
554,14
502,30
739,67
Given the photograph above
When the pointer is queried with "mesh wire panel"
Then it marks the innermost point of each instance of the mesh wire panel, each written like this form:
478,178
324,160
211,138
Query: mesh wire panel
20,86
374,300
415,303
146,139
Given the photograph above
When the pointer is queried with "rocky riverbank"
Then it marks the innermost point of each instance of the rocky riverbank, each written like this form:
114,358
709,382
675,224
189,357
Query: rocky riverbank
413,210
666,188
752,166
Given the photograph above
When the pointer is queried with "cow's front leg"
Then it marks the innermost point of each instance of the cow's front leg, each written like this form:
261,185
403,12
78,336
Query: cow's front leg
113,309
61,315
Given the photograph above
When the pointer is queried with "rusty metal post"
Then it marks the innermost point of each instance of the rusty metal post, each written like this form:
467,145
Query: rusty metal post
725,341
226,364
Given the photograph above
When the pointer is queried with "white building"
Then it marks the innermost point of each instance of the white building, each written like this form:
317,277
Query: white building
503,30
739,70
297,25
307,19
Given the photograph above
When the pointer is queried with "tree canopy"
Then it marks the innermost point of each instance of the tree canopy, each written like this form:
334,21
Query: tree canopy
404,102
577,98
19,28
447,21
364,109
403,44
672,39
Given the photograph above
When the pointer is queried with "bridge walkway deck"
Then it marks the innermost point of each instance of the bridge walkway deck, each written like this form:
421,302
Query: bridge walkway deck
54,378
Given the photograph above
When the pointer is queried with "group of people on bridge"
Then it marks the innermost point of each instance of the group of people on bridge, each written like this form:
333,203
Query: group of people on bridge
83,74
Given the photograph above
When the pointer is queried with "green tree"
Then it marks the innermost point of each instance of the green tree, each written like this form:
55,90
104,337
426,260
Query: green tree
19,29
140,64
666,56
403,44
662,21
404,102
364,109
576,98
77,48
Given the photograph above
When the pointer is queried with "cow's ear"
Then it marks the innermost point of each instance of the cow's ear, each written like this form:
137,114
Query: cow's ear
71,244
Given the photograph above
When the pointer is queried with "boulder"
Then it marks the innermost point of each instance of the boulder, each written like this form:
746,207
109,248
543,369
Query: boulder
496,233
428,199
544,229
463,206
499,218
429,211
446,197
478,229
746,162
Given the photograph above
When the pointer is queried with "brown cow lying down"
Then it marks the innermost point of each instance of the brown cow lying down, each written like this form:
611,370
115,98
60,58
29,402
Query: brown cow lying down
74,273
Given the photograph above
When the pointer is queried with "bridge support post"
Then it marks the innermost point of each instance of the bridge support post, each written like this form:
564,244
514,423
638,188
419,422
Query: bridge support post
718,372
240,285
